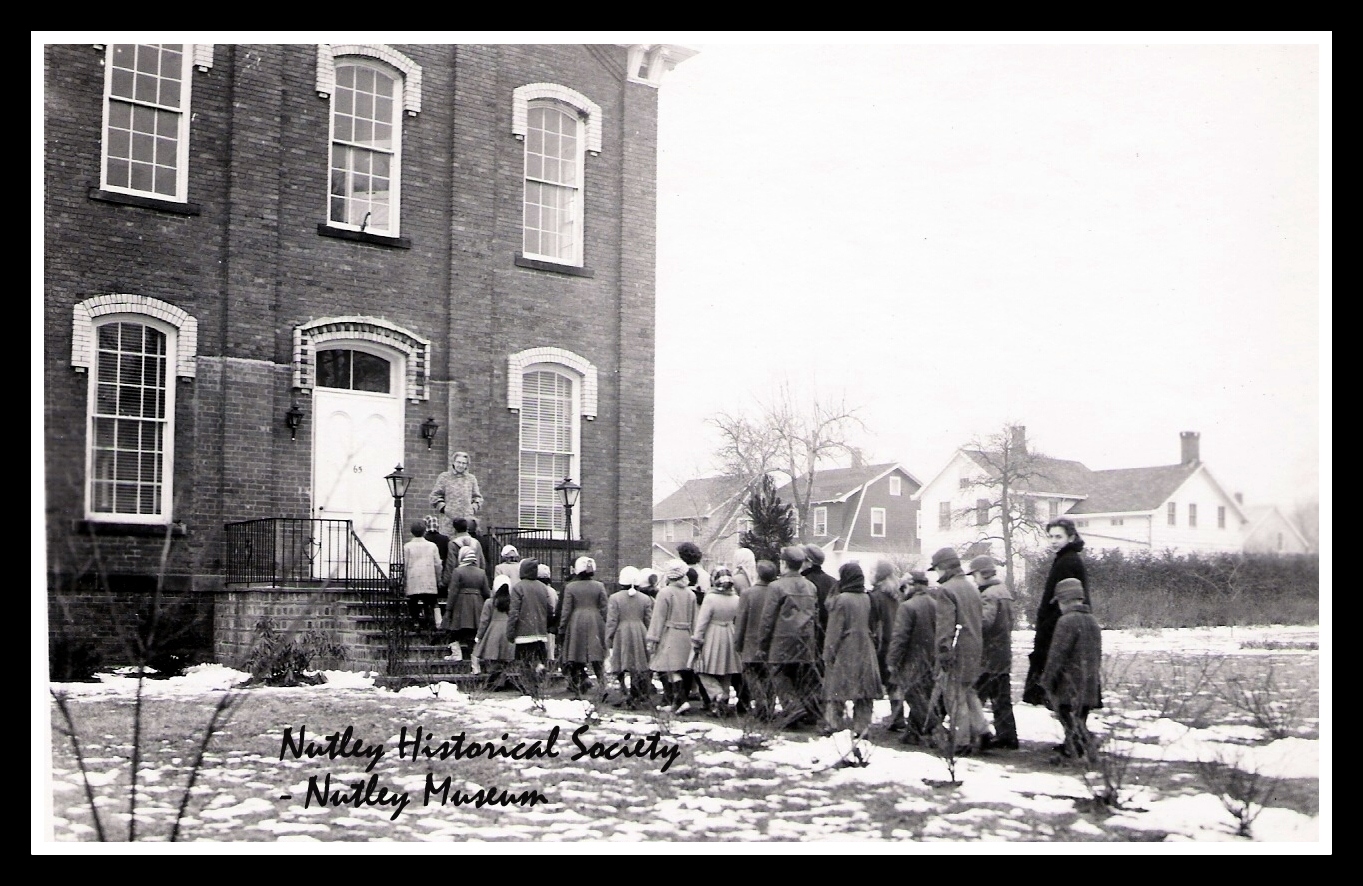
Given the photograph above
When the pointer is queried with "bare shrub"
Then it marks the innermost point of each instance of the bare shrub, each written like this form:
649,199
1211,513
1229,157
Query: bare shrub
1269,705
1244,791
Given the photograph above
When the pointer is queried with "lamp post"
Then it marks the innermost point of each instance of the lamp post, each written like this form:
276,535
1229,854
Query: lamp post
569,491
397,487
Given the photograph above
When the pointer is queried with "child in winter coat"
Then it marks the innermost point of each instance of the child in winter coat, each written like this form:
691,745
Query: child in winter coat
628,612
1071,679
995,683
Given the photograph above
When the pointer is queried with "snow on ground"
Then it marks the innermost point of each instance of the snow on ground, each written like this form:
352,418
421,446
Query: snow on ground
794,776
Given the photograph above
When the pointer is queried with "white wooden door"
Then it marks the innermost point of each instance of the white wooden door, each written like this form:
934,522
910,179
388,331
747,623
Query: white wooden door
357,441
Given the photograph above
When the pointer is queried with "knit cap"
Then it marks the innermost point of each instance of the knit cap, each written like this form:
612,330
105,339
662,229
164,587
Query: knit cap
1069,590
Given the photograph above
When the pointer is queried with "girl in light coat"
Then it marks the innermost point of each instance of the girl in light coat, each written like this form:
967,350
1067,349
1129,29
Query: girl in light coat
669,635
717,662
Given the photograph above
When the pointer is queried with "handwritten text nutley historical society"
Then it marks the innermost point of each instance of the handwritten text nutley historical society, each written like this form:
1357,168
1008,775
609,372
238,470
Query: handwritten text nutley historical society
419,745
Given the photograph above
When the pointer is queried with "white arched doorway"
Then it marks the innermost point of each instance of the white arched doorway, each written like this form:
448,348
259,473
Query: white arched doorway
358,402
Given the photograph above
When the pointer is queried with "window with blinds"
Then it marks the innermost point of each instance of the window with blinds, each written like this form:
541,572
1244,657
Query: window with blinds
547,447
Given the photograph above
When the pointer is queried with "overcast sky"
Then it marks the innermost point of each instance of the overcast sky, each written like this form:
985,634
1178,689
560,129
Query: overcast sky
1108,243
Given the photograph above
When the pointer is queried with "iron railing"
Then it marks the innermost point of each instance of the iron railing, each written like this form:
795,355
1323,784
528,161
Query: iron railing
541,544
300,552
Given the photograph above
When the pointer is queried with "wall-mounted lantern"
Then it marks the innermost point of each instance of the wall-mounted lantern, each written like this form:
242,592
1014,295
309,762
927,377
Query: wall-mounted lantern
293,418
428,429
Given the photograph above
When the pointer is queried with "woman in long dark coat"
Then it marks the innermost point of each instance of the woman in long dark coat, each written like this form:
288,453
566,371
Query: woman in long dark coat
1065,541
582,627
851,667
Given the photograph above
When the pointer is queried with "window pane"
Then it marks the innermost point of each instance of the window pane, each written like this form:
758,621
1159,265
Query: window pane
371,372
333,369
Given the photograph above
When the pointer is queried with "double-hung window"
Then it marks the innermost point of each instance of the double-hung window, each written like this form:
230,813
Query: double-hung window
146,120
877,522
554,149
366,157
130,412
549,437
820,522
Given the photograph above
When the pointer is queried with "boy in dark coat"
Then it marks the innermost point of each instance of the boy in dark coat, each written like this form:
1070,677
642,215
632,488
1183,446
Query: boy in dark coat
1072,675
755,691
995,683
786,637
912,654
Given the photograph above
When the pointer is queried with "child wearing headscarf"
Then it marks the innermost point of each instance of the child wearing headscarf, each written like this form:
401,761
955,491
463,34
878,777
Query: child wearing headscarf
745,570
717,662
491,650
582,627
851,668
628,612
467,589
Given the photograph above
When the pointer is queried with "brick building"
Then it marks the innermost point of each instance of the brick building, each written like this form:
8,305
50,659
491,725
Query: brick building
404,251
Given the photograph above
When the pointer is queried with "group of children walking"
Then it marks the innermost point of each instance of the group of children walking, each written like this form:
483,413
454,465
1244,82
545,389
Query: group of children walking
786,642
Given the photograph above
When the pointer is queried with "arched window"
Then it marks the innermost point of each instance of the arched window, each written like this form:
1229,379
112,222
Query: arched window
132,347
146,120
553,184
559,126
366,140
370,87
550,444
130,420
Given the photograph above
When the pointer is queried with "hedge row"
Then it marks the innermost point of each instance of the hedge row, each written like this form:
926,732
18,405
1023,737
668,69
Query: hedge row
1169,590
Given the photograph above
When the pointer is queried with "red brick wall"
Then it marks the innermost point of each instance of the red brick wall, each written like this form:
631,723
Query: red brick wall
251,266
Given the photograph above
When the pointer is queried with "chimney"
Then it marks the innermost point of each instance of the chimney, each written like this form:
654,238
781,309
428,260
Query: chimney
1019,441
1189,439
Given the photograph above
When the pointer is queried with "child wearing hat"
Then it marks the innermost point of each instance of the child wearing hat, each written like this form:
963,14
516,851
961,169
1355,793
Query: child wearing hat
995,683
1072,676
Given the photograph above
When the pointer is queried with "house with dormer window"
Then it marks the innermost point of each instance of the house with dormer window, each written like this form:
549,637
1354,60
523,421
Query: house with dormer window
1180,507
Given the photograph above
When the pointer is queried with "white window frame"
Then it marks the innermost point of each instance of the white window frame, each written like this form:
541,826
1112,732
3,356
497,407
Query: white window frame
820,521
669,534
183,110
896,485
1192,515
943,516
391,226
588,114
878,516
574,458
1171,513
167,473
576,216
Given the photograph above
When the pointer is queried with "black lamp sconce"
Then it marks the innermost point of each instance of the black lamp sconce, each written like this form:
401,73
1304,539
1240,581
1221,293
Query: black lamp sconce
293,418
428,429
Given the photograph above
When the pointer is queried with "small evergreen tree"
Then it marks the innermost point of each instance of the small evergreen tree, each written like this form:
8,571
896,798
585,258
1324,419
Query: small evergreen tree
773,522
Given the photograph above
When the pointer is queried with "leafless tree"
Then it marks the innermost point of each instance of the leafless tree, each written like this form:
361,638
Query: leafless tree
1012,468
790,433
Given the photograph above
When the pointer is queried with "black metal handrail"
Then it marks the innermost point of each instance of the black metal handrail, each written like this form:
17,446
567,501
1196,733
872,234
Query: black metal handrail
300,552
542,545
